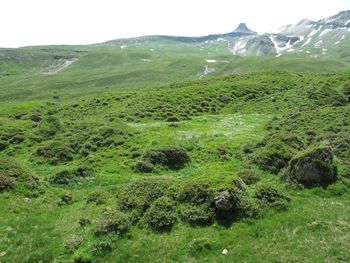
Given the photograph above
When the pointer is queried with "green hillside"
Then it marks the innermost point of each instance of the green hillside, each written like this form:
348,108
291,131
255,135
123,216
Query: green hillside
98,167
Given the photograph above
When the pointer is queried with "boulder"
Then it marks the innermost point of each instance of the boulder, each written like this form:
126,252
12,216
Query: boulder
223,201
314,167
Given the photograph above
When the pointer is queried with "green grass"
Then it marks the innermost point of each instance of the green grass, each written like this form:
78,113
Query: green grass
224,123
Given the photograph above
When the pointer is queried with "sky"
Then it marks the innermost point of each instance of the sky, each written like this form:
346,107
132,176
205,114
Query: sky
44,22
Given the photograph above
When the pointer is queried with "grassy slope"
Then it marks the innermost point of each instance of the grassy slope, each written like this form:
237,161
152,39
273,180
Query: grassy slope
237,110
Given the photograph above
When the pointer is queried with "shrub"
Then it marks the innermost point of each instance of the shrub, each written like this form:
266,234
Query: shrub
144,167
161,216
199,215
17,139
115,223
73,243
55,152
249,176
62,177
84,171
268,195
102,245
196,193
274,156
15,176
142,193
49,127
98,197
7,182
173,158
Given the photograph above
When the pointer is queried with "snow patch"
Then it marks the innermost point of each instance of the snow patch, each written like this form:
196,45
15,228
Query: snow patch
314,32
308,41
122,47
325,32
210,60
207,70
220,39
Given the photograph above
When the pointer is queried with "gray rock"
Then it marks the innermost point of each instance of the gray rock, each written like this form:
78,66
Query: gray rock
314,167
223,201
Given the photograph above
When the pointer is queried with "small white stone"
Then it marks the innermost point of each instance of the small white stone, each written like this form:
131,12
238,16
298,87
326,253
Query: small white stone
224,252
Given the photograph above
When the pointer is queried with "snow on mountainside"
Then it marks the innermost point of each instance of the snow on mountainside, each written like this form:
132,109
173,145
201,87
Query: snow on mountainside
310,38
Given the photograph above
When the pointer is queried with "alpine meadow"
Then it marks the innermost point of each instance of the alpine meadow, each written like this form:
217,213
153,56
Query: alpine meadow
231,147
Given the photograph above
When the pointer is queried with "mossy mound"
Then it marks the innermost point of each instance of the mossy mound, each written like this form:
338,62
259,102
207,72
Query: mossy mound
16,177
313,167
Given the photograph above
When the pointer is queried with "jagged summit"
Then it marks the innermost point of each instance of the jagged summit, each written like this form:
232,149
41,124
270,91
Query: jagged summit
243,28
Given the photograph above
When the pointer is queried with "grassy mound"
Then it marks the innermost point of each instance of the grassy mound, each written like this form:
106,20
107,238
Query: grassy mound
15,177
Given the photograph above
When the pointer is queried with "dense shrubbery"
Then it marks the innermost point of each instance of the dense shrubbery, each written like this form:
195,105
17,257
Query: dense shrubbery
142,193
113,223
98,197
249,176
269,195
173,158
68,176
161,216
198,215
15,176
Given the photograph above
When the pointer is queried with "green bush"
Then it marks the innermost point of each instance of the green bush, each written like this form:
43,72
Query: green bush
73,243
102,245
269,195
249,176
144,167
142,193
55,152
84,171
274,156
14,176
173,158
161,216
98,197
196,193
62,177
197,215
114,223
49,127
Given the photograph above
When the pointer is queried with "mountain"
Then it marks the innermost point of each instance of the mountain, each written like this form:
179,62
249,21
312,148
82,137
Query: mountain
324,38
65,71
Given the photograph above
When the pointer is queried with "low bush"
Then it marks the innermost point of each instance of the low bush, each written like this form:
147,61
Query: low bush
62,177
49,127
173,158
73,243
161,216
98,197
114,223
14,176
197,215
249,177
269,195
142,193
102,245
144,167
196,193
55,152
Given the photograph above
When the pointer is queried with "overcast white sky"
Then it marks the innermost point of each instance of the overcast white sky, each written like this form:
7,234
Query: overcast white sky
39,22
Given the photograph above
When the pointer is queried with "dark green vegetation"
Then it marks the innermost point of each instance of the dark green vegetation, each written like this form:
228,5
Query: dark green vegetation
256,163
